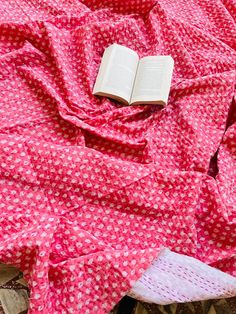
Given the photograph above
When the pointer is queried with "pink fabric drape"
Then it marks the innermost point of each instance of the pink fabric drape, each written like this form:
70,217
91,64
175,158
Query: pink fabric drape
91,191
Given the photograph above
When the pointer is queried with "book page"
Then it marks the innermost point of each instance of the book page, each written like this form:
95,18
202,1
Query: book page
153,80
117,73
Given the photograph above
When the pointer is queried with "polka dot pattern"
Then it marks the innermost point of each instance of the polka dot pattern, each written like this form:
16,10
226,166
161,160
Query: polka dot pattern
91,190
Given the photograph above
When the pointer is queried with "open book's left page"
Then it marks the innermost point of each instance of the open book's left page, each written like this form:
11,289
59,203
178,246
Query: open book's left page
117,73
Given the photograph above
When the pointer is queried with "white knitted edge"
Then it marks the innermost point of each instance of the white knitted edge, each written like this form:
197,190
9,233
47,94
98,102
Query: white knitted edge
175,278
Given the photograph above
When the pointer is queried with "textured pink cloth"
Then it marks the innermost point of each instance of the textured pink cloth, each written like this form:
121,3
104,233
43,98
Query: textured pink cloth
91,191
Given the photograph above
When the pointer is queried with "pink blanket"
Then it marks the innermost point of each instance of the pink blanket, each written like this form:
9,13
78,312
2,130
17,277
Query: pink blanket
91,191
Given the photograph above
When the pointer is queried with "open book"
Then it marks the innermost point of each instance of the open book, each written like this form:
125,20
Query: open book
128,79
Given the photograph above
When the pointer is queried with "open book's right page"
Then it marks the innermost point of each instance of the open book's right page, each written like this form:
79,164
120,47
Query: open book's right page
153,80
